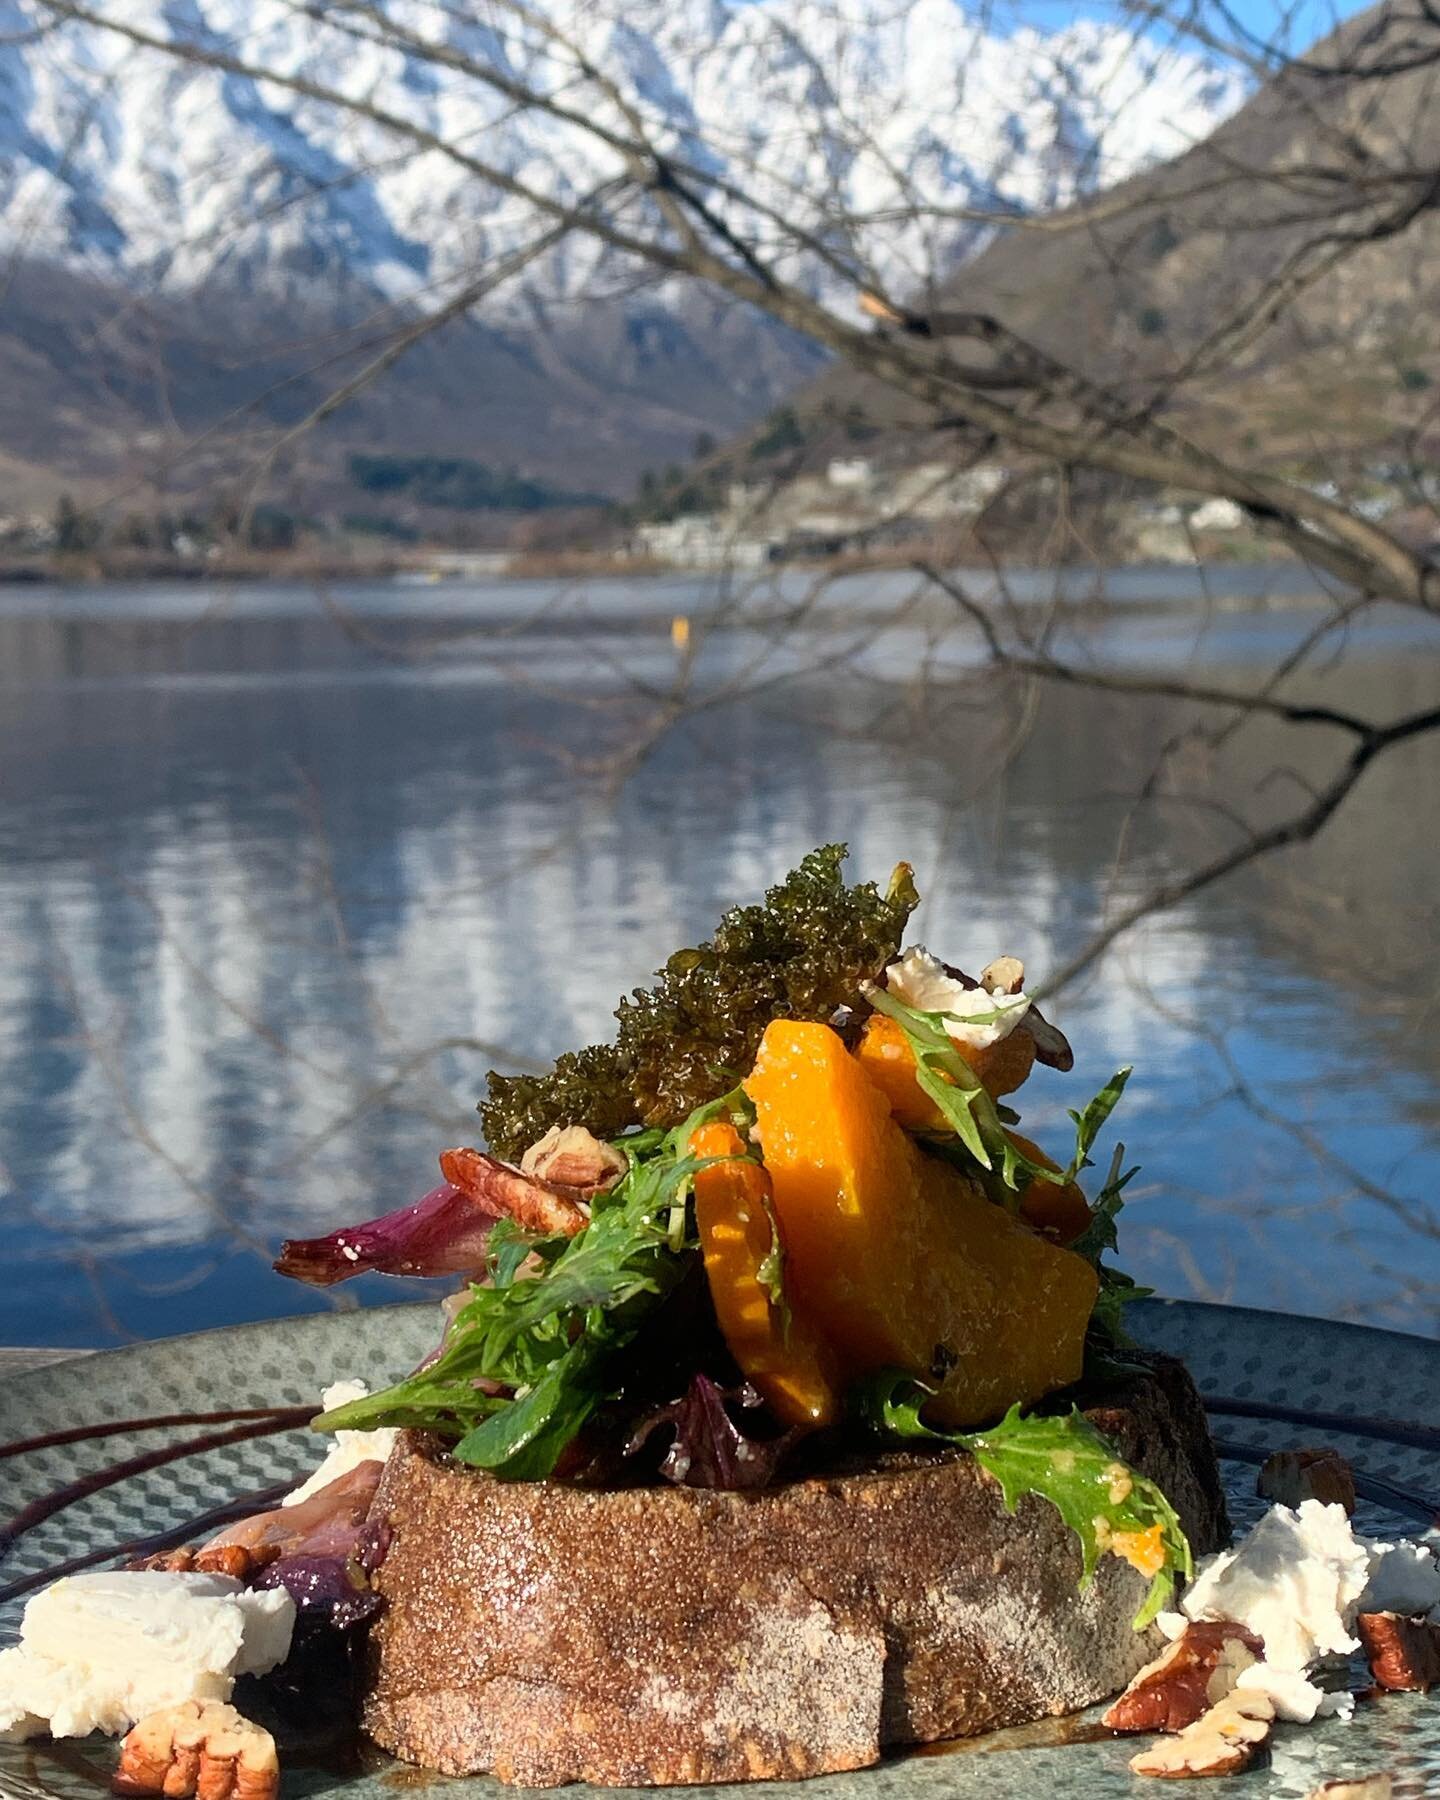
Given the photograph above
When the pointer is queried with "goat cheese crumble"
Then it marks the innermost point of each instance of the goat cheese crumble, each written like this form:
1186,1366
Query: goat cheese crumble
1296,1698
350,1448
98,1651
1294,1581
972,1016
1404,1579
1298,1581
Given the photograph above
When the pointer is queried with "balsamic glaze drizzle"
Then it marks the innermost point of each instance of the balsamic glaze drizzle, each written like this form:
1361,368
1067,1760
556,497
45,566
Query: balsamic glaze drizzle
243,1508
1391,1431
82,1434
14,1528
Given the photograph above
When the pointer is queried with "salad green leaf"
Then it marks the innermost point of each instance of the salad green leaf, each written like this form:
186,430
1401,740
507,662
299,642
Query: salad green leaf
551,1339
1091,1121
523,1440
1117,1289
507,1248
1107,1321
1062,1458
956,1089
1101,1233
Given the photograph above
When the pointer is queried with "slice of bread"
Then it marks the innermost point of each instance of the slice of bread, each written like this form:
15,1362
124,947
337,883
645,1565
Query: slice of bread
548,1633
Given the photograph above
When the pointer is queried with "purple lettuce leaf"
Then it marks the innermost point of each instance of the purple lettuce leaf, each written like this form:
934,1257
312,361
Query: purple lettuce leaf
709,1449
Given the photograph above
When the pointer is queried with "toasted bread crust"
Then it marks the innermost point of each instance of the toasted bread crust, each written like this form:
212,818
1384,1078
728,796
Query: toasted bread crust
646,1636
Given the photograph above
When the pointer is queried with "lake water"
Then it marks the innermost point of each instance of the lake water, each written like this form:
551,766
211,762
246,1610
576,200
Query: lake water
282,872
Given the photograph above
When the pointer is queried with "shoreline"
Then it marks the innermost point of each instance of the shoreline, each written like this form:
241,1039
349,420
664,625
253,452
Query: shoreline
452,567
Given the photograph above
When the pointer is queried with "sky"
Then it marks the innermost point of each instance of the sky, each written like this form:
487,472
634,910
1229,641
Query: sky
1297,24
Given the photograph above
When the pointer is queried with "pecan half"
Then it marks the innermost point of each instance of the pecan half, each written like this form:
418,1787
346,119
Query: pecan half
1200,1667
505,1193
1290,1476
201,1747
1221,1742
1357,1787
1404,1654
1006,975
569,1156
242,1561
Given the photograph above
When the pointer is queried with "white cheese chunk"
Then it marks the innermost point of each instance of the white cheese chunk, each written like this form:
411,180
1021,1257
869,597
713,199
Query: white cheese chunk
269,1627
1294,1581
99,1651
1298,1581
350,1448
1294,1697
972,1015
1404,1579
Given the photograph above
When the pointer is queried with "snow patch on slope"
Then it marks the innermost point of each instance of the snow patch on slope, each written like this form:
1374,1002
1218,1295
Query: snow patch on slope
121,160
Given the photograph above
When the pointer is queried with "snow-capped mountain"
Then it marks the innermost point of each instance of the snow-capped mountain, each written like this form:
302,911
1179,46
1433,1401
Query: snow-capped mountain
175,178
113,155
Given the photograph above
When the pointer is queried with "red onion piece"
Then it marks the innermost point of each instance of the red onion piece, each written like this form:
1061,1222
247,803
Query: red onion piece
330,1523
442,1234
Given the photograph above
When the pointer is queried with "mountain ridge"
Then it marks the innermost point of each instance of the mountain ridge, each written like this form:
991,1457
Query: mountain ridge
1134,290
215,210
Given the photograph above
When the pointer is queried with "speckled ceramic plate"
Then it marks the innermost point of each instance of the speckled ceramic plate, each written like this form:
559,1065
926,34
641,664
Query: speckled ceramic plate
1282,1381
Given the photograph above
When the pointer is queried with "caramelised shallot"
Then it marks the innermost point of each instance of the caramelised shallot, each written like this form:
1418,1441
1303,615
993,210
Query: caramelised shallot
330,1587
329,1523
322,1550
442,1234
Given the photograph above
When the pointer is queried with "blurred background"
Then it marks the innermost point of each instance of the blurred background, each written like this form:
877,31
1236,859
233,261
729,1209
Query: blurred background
485,484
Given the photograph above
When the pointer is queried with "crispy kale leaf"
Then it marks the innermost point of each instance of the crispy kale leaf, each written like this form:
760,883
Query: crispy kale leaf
801,954
1063,1459
586,1087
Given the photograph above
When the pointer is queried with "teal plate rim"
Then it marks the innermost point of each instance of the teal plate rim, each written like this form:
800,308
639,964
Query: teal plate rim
1381,1382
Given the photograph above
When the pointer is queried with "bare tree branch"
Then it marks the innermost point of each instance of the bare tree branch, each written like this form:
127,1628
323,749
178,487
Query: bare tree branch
1299,828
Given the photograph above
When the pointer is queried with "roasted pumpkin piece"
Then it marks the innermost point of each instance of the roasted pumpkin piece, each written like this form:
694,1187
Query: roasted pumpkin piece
1003,1066
894,1255
884,1053
1060,1212
774,1345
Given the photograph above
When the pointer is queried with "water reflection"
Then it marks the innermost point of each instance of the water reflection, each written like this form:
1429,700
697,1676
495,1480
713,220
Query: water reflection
278,882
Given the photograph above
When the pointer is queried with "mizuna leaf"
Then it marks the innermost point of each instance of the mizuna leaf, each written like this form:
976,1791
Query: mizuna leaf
1063,1459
